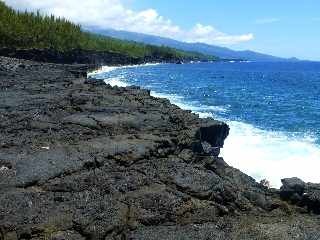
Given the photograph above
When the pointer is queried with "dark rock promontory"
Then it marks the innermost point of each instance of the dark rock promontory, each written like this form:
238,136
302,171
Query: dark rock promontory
80,159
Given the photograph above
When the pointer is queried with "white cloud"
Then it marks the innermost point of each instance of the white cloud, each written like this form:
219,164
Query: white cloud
209,34
113,14
267,20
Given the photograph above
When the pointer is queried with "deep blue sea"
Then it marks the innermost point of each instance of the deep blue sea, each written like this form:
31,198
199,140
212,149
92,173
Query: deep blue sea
273,109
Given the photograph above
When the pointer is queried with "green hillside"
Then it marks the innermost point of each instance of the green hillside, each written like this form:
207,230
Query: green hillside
26,30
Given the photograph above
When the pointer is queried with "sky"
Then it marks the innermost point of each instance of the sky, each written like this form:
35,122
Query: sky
286,28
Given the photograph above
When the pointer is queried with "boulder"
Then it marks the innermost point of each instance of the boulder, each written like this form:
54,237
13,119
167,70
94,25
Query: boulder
292,188
301,193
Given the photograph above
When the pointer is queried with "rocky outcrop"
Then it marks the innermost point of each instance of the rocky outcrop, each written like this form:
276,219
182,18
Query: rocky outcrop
83,160
301,193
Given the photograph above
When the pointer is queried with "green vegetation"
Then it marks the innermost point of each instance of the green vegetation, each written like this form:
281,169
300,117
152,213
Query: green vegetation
32,30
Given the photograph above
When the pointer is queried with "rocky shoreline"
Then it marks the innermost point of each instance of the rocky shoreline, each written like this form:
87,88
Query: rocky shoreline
80,159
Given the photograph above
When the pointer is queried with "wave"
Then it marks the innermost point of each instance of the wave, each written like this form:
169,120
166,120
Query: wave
116,82
103,69
271,155
106,69
200,109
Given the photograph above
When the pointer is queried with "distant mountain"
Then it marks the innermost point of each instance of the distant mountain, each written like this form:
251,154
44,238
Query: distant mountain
221,52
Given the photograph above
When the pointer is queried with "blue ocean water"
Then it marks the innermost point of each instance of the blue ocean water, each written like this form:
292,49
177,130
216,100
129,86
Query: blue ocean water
273,109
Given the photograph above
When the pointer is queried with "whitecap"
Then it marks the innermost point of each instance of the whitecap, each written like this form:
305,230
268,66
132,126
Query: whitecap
107,69
116,82
183,104
271,155
103,69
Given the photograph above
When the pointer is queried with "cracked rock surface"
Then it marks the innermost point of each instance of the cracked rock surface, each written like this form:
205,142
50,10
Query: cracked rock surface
80,159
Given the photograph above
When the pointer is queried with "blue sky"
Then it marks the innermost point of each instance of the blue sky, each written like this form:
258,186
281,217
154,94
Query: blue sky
284,28
280,27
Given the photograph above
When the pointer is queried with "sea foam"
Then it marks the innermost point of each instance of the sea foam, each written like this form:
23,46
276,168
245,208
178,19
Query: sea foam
116,82
106,69
271,155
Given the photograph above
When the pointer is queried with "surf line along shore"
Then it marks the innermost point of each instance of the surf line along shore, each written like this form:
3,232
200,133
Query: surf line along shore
80,159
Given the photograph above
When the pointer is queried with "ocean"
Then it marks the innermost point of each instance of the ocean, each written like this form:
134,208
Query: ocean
273,109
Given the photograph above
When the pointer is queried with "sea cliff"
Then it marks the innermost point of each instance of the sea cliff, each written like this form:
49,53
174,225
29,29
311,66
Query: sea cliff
80,159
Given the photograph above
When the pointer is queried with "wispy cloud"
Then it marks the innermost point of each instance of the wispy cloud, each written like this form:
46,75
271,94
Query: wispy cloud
267,20
114,14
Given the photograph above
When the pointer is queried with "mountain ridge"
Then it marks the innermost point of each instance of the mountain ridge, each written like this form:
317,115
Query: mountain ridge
221,52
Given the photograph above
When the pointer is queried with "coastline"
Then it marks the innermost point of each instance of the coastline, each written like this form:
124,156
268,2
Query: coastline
258,155
83,159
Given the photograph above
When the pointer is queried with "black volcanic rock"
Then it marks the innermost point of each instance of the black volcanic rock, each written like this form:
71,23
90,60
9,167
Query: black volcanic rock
301,193
214,134
80,159
292,189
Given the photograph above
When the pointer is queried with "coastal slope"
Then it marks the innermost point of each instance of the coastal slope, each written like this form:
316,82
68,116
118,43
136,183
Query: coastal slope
80,159
207,49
